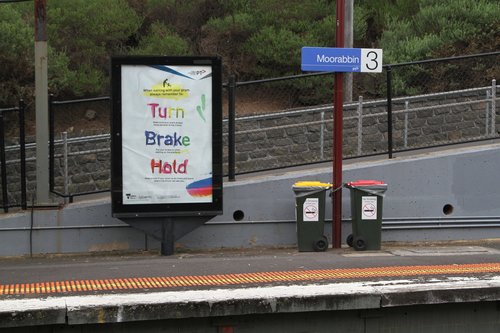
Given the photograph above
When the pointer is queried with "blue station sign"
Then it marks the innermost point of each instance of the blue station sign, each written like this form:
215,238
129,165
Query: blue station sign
333,59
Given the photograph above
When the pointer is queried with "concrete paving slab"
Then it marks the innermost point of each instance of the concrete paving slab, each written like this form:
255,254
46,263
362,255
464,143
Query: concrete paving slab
284,281
445,251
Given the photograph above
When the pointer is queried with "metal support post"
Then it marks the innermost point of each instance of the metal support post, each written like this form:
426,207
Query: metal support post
65,157
5,198
22,153
360,125
337,137
322,136
407,107
493,106
487,114
231,128
389,111
51,143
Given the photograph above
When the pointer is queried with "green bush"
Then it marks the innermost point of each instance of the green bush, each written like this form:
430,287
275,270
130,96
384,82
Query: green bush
440,29
257,39
84,35
437,25
160,40
16,56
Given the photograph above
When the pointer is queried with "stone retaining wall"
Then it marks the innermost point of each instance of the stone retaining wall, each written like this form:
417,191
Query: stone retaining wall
298,137
294,137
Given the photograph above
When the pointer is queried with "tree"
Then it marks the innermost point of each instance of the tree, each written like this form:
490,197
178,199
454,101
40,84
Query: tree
160,40
264,38
85,34
257,39
378,14
439,25
16,56
441,29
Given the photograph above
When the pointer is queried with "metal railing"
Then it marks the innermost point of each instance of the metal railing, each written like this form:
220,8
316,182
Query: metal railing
363,111
393,103
22,158
64,142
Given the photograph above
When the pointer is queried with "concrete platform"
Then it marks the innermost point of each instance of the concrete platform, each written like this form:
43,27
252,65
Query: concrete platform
284,282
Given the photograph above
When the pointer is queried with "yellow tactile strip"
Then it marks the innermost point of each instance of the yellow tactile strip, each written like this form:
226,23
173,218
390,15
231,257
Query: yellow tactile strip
241,278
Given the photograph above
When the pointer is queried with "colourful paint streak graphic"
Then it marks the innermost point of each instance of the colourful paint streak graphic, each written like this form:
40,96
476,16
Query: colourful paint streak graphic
200,188
201,108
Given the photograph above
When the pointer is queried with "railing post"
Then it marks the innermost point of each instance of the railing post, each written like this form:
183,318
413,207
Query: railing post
51,143
322,136
407,107
65,158
22,153
5,199
360,125
231,128
493,105
487,113
389,111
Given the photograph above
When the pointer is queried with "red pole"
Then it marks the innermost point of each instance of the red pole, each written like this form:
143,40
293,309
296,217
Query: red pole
337,135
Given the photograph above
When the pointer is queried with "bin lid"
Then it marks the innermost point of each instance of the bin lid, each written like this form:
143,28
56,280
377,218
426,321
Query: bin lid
358,183
311,184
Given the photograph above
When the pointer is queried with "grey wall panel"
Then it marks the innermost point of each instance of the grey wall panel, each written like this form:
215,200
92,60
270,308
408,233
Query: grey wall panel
259,210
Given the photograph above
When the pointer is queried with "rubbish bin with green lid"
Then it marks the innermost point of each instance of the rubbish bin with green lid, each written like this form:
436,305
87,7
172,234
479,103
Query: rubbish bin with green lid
367,198
310,215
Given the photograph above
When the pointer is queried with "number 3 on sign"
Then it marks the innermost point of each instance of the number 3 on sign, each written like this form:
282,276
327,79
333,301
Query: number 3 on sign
371,60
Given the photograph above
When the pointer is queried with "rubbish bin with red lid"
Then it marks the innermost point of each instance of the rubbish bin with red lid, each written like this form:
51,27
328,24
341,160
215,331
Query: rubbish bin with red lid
366,213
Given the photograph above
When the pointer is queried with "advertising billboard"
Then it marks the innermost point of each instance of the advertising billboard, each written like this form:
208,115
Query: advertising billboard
166,136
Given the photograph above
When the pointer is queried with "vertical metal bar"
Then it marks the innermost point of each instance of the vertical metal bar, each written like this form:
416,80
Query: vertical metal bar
360,125
337,163
389,111
322,136
407,108
51,143
66,167
231,128
338,133
493,105
22,152
487,114
5,199
65,158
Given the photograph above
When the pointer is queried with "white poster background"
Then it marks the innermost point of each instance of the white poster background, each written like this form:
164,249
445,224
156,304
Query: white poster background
368,207
166,122
311,210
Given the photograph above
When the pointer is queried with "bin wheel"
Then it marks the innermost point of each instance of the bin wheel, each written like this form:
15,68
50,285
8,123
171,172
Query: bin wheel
350,240
321,244
359,244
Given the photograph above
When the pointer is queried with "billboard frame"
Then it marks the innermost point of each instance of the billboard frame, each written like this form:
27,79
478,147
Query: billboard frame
167,209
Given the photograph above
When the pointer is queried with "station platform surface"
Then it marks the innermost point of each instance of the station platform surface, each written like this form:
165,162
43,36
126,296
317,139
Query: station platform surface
78,289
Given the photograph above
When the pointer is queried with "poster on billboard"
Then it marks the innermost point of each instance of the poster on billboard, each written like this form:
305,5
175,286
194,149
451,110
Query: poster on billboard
166,136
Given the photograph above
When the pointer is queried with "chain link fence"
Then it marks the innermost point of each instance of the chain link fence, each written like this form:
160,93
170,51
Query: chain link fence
288,121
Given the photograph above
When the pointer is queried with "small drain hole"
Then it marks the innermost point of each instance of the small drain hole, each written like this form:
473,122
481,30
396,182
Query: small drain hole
447,209
238,215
